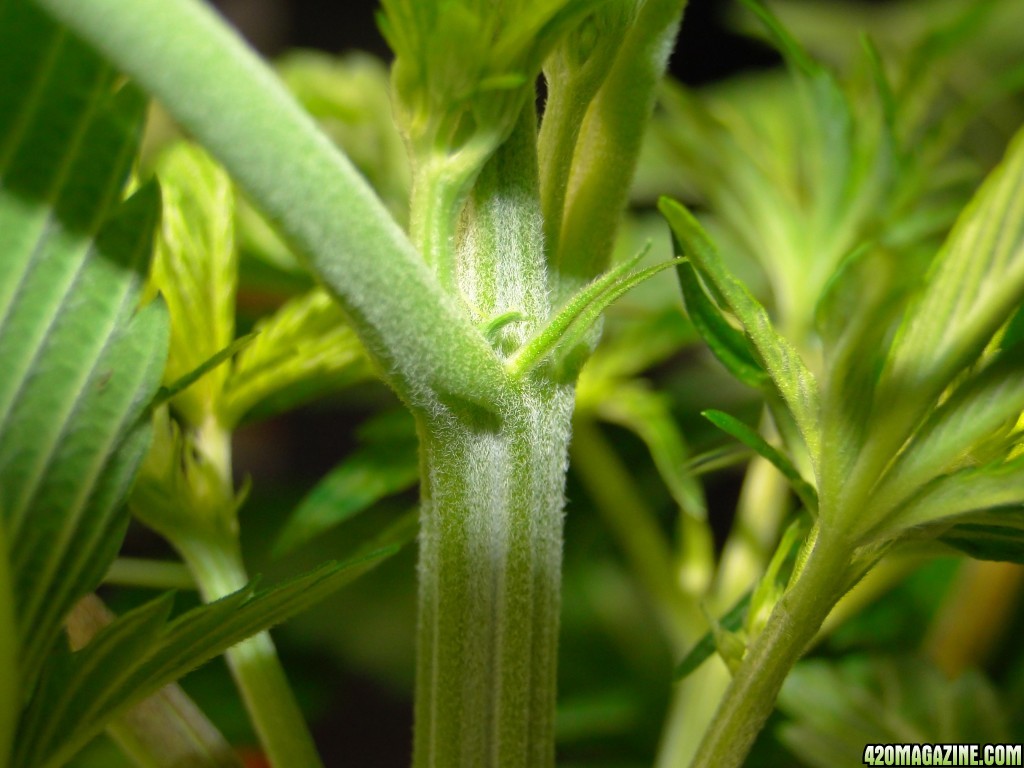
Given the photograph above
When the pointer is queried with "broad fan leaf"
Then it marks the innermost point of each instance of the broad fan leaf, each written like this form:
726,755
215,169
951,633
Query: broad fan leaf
79,693
81,361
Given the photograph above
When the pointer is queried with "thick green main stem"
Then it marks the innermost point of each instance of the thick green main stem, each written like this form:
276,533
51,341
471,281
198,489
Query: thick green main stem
490,569
750,698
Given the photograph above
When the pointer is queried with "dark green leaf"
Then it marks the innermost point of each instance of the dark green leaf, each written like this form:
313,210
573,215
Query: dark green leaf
80,360
386,465
795,383
726,343
804,490
1014,330
175,387
142,651
705,647
1002,543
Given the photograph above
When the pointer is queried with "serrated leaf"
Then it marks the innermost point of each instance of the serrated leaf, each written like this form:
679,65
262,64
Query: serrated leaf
705,648
567,329
726,343
731,426
1002,543
142,651
303,350
387,464
795,383
196,270
80,362
975,285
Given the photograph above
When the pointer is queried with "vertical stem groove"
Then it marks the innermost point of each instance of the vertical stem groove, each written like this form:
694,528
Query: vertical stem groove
490,571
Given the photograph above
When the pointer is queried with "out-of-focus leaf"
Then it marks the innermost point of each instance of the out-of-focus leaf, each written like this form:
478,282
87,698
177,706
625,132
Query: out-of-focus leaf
647,414
731,426
10,695
196,271
795,383
836,708
386,464
79,693
1000,484
303,350
172,389
80,361
705,648
975,285
1003,543
350,96
1014,330
986,404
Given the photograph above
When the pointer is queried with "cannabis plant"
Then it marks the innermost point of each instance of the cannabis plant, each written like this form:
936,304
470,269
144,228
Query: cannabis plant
459,245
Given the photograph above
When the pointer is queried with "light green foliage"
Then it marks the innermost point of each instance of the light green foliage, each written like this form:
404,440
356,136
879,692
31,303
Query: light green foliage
350,98
823,273
195,270
304,349
80,359
422,342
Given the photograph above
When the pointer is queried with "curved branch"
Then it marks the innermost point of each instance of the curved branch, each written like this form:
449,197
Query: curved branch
218,89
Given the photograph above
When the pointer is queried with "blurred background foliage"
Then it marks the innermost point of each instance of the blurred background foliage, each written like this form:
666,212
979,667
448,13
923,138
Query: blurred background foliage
925,650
